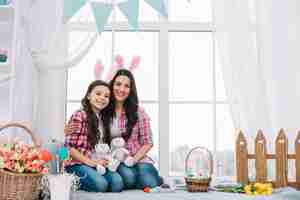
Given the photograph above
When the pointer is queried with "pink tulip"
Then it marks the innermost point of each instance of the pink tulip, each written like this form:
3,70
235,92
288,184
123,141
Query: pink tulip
45,171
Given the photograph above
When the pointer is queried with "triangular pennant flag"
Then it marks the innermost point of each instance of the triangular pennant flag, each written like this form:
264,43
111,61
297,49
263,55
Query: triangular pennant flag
130,9
159,6
101,13
71,7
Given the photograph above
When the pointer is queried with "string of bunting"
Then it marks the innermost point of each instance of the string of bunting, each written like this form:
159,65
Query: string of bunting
102,10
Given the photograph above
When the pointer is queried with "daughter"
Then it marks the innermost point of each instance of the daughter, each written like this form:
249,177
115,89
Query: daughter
90,126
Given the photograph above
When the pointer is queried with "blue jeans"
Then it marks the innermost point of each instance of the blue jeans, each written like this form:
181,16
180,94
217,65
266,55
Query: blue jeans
140,176
92,181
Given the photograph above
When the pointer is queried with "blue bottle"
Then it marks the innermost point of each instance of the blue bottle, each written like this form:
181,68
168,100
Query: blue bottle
3,2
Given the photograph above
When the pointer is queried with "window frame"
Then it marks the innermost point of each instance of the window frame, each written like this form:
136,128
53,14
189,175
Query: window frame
163,27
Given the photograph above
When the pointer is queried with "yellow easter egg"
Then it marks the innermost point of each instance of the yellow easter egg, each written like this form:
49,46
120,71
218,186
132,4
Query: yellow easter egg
269,191
247,188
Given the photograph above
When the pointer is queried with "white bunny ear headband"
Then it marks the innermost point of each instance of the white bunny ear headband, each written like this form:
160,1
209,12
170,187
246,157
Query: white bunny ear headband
119,64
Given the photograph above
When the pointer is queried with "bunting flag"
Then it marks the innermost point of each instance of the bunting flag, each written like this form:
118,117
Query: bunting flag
130,9
101,13
71,7
102,10
159,6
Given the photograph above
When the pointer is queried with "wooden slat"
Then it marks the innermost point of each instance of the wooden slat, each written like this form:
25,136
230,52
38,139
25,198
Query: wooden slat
272,156
291,156
260,161
241,158
281,159
297,150
251,156
261,156
273,182
294,185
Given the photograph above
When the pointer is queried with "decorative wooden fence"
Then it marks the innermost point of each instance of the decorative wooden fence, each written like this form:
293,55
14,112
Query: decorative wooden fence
261,156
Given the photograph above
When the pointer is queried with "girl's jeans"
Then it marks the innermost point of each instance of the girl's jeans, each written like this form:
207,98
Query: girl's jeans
140,176
92,181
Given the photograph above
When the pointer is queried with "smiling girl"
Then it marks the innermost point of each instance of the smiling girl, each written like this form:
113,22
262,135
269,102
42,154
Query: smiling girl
90,126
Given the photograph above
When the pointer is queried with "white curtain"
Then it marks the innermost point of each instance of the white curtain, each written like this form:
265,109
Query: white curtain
21,84
258,44
39,26
39,89
48,38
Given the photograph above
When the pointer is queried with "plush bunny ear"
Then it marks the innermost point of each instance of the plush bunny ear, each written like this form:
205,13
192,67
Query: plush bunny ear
134,63
119,63
98,69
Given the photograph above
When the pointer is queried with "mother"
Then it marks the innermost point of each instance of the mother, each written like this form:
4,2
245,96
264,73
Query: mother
129,120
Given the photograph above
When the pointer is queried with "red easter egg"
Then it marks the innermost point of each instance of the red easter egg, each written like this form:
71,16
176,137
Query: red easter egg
147,189
46,155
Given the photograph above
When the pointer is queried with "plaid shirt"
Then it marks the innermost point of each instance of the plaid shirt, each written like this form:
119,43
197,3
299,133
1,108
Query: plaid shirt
78,138
141,133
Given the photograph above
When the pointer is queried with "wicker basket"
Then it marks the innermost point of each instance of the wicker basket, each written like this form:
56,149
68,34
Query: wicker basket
199,184
19,186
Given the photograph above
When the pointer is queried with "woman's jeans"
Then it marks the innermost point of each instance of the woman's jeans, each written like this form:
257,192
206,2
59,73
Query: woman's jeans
140,176
92,181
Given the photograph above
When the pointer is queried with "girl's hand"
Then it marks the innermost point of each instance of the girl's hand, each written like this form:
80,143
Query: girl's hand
102,162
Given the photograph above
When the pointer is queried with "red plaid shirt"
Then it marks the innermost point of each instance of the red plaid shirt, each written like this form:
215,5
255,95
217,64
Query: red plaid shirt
141,133
78,138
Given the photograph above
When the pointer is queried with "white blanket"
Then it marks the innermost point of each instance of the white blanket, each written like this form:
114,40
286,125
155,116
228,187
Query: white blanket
282,194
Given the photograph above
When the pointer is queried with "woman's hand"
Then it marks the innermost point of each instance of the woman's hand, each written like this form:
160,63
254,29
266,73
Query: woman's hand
142,152
94,163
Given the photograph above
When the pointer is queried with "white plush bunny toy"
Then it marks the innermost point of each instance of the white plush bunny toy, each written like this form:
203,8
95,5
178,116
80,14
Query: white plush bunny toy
103,152
119,152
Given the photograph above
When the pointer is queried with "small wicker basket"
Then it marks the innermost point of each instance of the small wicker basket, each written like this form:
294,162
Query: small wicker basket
195,184
21,186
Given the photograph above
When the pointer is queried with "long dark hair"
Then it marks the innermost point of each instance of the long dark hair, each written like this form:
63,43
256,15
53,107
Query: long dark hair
93,136
130,104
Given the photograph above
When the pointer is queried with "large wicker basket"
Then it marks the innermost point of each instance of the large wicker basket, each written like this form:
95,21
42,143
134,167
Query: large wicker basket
195,184
19,186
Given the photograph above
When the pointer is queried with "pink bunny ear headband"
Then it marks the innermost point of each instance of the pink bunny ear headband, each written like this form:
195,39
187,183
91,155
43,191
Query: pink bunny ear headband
119,64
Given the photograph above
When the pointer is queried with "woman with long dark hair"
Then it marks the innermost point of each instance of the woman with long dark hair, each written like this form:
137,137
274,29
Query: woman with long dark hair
130,121
90,126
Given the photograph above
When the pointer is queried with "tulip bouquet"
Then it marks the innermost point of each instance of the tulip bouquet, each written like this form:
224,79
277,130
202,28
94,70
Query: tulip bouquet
23,158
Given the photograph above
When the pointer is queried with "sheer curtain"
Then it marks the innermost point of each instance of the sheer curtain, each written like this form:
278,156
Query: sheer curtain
48,37
258,42
39,26
22,84
42,60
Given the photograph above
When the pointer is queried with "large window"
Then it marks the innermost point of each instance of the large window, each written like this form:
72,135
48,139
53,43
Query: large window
179,79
